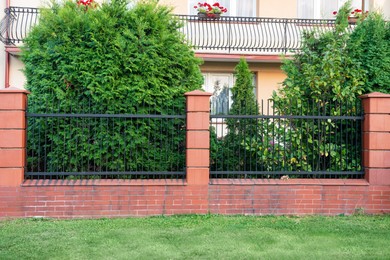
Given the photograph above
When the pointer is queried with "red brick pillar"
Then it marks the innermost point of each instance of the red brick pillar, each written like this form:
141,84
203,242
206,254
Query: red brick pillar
198,137
13,104
376,138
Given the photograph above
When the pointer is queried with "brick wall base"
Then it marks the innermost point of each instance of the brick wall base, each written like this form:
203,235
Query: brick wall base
95,201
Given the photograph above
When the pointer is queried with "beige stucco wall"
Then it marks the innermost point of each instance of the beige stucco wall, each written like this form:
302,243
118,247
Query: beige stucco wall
277,8
269,79
27,3
16,76
265,8
180,7
381,6
269,76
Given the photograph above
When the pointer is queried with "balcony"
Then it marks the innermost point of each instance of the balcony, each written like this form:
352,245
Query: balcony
16,24
227,35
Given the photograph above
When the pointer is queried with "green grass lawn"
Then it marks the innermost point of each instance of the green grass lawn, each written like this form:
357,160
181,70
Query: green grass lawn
198,237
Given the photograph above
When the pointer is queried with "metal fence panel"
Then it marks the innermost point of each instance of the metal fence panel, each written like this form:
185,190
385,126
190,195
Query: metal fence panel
90,144
324,143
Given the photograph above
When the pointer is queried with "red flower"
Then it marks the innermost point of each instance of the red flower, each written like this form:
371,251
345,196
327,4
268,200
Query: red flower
84,2
335,12
215,8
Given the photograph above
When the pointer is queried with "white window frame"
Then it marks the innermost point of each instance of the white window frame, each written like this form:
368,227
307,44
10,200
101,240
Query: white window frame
317,12
208,83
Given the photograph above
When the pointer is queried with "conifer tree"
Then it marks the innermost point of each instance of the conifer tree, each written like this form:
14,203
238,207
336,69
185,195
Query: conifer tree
244,100
241,130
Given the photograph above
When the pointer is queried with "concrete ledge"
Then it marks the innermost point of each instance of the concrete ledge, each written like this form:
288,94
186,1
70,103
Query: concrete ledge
27,183
316,182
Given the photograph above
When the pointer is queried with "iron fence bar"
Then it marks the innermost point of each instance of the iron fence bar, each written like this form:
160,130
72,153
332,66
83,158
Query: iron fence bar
107,116
288,172
103,173
287,117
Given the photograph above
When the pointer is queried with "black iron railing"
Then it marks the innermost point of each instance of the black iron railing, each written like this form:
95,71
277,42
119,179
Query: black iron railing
249,34
67,143
322,142
16,24
225,35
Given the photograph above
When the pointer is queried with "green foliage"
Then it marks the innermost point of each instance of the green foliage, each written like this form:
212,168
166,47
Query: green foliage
243,103
108,59
244,100
323,79
369,46
204,236
323,70
306,144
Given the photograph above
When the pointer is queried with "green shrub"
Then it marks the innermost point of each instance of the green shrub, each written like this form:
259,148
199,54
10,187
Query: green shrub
111,60
370,48
323,79
229,149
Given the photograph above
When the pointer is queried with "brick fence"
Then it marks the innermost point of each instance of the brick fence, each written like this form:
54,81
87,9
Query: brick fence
197,194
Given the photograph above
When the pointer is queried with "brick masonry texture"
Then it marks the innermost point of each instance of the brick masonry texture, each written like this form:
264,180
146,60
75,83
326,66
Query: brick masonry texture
122,201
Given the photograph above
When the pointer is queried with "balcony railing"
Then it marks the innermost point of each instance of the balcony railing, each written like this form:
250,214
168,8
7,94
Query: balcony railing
233,35
17,23
249,34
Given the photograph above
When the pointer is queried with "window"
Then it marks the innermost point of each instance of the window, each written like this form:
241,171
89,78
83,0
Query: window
321,9
220,85
246,8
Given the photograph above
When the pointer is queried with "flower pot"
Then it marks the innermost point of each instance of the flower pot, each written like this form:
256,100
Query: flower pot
352,20
206,16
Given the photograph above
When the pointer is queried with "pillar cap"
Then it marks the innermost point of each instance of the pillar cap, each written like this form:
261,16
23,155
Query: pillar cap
14,90
198,93
375,95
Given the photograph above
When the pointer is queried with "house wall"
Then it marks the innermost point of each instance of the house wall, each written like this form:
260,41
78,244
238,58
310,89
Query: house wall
269,79
382,6
277,8
179,7
269,76
16,76
265,8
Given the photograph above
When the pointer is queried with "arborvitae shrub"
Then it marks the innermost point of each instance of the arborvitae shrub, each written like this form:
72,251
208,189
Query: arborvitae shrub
370,48
109,59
